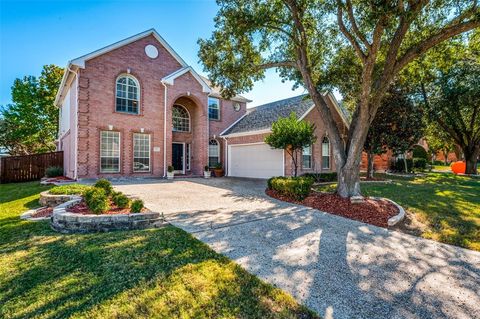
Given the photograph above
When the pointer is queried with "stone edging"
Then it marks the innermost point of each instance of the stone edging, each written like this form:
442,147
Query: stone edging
28,215
52,200
397,218
65,222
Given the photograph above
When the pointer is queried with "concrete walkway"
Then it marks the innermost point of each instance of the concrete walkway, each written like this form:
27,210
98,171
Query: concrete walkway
338,267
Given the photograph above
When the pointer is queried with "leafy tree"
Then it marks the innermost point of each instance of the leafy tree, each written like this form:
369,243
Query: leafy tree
397,126
438,141
30,124
305,39
291,135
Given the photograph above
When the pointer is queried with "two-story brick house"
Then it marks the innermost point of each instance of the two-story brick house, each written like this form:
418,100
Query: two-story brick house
135,107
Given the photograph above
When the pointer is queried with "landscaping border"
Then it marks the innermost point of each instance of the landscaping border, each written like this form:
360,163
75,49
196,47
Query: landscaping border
66,222
392,221
28,215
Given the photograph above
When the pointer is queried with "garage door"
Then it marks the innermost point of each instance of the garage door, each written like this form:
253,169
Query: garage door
254,160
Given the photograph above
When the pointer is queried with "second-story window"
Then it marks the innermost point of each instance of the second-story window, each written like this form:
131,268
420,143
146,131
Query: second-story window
180,119
213,108
127,95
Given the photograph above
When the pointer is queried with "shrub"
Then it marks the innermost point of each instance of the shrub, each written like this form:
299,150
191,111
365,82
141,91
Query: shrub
54,171
322,177
218,165
170,169
419,163
70,189
121,200
206,168
105,185
439,163
97,200
398,165
296,187
419,152
136,206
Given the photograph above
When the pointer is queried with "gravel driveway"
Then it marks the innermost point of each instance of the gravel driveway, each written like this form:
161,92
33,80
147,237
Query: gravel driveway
338,267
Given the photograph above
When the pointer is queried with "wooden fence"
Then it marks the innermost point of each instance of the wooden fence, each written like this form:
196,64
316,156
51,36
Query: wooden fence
28,167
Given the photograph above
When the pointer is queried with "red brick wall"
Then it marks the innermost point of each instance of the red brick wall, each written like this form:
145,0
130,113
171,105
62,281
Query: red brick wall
97,109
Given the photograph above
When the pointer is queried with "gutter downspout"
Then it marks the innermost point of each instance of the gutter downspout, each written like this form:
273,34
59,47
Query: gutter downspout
165,131
75,170
226,156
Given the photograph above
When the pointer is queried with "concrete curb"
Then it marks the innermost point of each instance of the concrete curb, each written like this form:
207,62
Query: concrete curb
392,221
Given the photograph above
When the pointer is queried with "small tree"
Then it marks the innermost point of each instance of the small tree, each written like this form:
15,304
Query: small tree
291,135
438,141
397,126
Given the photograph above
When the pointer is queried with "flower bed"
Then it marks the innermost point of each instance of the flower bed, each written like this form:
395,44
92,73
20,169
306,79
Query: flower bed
82,208
372,211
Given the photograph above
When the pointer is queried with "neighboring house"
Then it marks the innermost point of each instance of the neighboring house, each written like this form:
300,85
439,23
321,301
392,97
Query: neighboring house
135,107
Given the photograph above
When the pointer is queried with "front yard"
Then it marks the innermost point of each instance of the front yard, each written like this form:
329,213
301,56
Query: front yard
152,273
440,206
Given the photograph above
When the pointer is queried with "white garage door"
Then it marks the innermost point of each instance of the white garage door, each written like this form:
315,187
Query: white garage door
254,160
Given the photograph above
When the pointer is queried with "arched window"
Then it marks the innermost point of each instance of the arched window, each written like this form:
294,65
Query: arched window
180,119
213,153
127,95
325,153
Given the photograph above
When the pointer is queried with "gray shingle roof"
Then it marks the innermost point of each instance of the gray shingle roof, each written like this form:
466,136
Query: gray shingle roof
263,116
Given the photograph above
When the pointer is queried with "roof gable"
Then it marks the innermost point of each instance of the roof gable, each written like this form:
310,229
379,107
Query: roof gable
170,79
80,61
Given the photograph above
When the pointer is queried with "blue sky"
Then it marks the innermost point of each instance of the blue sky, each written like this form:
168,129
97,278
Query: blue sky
34,33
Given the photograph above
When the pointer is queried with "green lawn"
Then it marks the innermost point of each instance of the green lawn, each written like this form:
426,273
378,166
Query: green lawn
162,273
447,205
443,168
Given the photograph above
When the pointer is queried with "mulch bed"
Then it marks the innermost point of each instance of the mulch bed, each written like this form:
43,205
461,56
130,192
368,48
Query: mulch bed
375,212
43,212
82,208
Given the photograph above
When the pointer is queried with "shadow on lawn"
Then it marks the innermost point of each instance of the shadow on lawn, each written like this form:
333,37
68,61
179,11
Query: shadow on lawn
162,272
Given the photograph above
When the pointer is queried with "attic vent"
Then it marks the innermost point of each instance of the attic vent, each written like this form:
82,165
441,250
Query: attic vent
151,51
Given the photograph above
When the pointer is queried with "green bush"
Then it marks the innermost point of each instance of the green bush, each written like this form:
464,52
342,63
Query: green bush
120,200
419,163
54,171
439,163
105,185
296,187
70,189
136,206
322,177
419,152
398,165
97,200
170,169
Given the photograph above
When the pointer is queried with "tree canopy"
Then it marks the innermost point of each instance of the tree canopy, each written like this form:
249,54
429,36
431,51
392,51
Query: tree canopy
306,40
291,135
30,124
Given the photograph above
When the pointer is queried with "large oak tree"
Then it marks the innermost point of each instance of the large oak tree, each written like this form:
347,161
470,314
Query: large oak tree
302,38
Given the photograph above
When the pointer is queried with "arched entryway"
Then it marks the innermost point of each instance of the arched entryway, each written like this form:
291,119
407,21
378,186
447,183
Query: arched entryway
188,126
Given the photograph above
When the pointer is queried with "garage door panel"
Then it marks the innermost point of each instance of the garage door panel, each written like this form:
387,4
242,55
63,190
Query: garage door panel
255,160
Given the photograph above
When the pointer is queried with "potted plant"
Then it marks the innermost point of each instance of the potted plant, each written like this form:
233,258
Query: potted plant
206,172
170,172
218,170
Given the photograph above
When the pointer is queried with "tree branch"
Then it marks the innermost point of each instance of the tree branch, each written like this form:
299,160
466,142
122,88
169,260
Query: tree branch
354,25
280,64
348,35
442,35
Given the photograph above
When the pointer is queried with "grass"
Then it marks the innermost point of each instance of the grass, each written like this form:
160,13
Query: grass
163,273
448,205
443,168
70,189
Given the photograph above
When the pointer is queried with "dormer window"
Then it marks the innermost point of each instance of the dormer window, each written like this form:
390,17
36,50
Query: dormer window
127,95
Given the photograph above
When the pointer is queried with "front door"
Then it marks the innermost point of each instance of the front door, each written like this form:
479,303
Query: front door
177,157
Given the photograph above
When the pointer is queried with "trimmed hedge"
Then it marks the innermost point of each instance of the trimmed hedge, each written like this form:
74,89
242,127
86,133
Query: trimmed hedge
296,187
136,206
97,200
398,165
105,185
322,177
70,189
121,200
419,152
419,163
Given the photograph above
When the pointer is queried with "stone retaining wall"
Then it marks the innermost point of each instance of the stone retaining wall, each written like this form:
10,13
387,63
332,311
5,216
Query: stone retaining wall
65,222
51,200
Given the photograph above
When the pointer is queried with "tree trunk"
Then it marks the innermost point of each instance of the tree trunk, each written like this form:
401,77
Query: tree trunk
370,158
348,181
471,160
445,154
405,162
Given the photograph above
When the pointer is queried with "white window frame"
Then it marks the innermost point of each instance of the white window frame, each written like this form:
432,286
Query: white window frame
119,152
128,76
189,119
210,153
218,108
188,155
309,148
149,153
326,155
